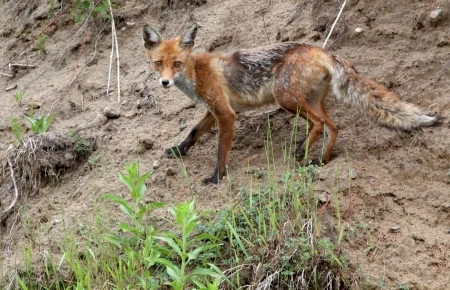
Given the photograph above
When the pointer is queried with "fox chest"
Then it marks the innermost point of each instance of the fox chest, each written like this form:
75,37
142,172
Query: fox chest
188,88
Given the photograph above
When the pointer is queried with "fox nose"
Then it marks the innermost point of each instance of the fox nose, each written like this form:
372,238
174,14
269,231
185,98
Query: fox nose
165,82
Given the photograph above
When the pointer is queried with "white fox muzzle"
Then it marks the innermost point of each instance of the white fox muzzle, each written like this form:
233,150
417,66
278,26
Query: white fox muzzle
167,83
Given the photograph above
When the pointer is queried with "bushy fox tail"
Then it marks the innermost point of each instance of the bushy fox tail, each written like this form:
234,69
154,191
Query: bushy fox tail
376,101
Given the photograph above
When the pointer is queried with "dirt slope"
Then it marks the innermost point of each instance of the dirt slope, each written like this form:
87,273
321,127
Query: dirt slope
385,179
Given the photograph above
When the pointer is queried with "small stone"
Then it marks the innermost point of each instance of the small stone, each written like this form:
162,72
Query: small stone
447,231
170,171
56,221
353,174
124,102
448,173
34,105
156,164
358,30
144,103
97,122
324,197
443,42
435,16
130,24
145,145
394,229
195,171
12,87
111,113
183,126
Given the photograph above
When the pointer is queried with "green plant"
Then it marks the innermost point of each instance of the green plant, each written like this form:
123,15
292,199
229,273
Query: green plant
86,8
187,248
40,43
17,129
18,97
81,144
137,209
41,124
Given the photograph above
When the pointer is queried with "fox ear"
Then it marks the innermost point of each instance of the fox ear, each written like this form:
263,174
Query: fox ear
187,40
151,37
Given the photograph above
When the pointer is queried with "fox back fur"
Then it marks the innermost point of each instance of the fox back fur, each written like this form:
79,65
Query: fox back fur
296,76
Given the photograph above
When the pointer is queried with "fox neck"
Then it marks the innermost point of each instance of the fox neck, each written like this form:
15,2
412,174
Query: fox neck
185,80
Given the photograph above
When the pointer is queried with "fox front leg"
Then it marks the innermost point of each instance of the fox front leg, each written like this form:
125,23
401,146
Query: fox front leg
226,123
198,131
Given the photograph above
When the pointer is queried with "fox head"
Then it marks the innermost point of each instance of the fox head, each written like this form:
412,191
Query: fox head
170,57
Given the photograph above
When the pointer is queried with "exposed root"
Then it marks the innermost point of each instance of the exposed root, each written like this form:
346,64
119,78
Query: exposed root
38,160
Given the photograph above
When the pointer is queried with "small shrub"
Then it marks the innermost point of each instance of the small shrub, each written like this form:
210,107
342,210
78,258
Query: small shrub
18,97
41,124
17,129
40,44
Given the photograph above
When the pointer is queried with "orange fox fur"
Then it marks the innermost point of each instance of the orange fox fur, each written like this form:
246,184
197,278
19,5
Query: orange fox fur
296,76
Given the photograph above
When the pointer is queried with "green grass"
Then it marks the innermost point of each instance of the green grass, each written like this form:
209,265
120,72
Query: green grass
270,237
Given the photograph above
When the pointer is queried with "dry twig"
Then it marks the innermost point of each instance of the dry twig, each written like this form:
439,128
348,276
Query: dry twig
114,45
334,24
10,208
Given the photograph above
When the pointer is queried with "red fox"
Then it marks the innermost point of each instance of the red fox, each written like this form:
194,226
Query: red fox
296,76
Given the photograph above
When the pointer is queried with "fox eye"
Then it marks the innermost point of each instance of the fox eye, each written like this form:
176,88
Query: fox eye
158,63
177,64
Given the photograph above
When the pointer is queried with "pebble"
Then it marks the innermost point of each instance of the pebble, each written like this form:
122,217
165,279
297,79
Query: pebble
124,102
97,122
435,15
183,126
395,229
156,164
130,24
34,105
358,30
170,171
111,113
12,87
324,197
145,144
353,173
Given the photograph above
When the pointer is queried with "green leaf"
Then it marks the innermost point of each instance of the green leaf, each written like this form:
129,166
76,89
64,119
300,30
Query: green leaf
164,262
86,4
125,227
238,239
124,205
127,210
194,254
205,272
22,284
31,120
113,240
171,243
127,181
156,205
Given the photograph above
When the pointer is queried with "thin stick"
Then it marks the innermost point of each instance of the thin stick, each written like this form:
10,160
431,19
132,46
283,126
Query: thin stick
21,65
110,57
334,24
6,75
116,46
6,212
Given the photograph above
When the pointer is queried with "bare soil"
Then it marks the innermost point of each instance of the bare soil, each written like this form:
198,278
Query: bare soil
394,188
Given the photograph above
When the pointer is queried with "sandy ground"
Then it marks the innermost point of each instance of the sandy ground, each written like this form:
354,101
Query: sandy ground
394,187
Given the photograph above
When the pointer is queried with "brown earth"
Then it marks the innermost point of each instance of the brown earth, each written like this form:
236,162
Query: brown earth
394,188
